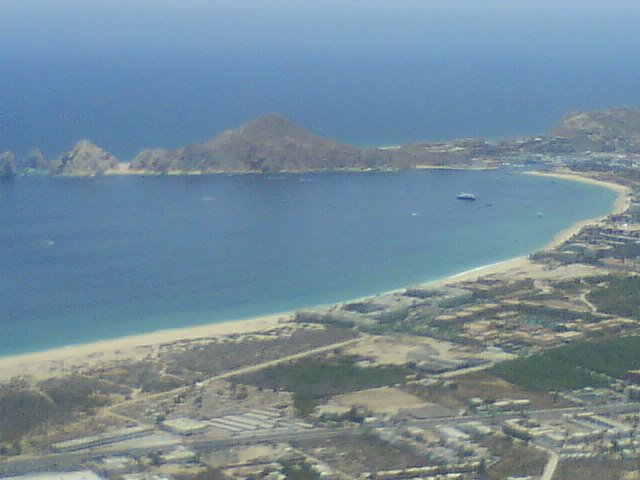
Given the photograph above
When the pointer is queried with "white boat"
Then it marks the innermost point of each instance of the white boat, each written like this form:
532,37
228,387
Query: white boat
466,196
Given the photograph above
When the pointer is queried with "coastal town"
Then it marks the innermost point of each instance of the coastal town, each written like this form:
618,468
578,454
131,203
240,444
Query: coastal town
525,369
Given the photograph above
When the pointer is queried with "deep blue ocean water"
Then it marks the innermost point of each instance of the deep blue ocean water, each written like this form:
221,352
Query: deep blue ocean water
165,73
90,258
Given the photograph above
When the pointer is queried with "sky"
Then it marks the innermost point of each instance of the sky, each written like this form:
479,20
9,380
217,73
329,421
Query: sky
304,26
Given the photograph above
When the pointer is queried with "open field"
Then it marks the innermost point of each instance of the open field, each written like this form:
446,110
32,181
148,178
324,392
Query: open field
354,454
480,385
378,400
315,379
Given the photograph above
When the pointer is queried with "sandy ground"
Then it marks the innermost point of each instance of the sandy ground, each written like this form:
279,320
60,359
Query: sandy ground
56,361
379,400
48,363
389,350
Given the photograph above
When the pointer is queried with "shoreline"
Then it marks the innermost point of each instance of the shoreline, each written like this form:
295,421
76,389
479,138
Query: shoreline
58,360
621,204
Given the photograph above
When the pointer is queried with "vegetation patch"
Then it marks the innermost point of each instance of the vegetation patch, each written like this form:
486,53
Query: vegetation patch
23,408
582,364
298,471
621,296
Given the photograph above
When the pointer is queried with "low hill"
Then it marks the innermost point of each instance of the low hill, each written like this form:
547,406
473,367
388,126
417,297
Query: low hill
272,143
267,144
614,129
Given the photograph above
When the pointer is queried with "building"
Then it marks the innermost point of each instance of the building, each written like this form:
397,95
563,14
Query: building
185,426
102,439
78,475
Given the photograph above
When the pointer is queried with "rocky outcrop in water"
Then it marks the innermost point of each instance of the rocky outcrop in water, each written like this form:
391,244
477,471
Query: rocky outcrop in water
36,160
7,164
85,159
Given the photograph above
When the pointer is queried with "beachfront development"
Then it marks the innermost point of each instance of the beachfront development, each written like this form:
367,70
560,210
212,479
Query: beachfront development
526,368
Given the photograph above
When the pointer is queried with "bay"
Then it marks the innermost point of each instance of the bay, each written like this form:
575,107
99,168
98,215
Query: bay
83,259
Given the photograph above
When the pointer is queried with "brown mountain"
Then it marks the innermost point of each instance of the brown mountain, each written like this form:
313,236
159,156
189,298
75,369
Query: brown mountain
272,143
269,143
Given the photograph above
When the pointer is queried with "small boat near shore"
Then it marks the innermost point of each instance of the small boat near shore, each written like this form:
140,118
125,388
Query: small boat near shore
466,196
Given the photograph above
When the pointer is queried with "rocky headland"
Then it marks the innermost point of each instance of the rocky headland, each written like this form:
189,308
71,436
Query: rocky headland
85,158
273,143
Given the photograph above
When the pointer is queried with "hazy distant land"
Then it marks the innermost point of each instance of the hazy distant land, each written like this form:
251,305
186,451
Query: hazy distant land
272,143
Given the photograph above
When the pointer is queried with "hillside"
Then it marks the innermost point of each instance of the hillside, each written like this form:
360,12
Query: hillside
614,129
272,143
267,144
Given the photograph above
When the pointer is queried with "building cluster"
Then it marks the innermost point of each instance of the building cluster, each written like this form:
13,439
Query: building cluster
613,243
447,449
579,435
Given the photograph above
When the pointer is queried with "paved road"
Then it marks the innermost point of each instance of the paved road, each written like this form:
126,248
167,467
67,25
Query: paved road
74,459
550,467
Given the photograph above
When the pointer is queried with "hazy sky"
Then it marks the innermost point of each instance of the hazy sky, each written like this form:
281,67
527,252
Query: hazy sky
324,26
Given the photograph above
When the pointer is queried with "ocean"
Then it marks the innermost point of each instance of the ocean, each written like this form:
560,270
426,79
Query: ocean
83,259
164,73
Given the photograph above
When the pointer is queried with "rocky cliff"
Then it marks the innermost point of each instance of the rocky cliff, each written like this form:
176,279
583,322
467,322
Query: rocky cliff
85,158
36,160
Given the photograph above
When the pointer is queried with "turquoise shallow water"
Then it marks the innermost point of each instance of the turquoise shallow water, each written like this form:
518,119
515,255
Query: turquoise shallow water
94,258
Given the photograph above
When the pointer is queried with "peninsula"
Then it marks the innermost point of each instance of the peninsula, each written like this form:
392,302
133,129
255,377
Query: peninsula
272,143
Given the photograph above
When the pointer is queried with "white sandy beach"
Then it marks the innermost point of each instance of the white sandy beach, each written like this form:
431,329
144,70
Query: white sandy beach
55,361
621,204
61,360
